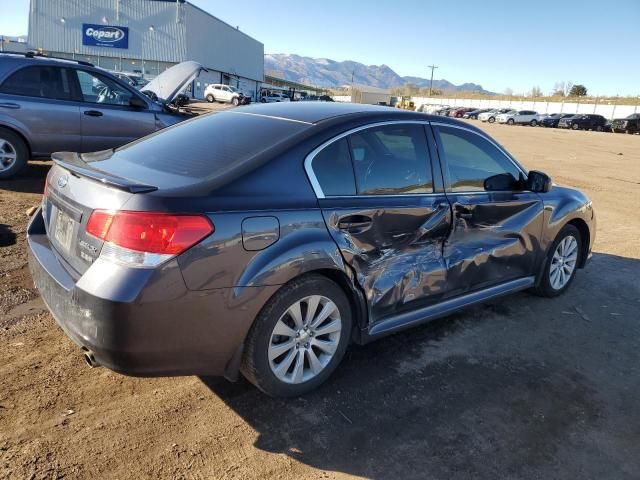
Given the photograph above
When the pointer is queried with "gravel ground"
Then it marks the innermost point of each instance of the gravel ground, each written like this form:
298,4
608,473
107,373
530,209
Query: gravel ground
522,387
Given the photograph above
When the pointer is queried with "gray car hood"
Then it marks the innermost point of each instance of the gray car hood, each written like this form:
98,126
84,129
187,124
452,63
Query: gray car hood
173,80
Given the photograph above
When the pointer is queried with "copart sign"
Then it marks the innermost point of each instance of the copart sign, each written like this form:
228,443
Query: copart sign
105,36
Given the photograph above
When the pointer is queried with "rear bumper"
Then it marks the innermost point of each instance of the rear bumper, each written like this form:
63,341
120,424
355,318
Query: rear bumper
144,322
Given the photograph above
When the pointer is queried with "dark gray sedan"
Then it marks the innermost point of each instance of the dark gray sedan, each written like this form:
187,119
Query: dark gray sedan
265,240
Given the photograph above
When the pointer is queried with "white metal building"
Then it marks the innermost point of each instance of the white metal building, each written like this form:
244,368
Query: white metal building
147,36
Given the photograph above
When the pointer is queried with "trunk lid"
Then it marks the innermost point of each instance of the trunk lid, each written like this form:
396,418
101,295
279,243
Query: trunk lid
74,189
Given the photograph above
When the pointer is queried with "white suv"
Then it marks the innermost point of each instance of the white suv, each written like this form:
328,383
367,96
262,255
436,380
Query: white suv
521,117
217,92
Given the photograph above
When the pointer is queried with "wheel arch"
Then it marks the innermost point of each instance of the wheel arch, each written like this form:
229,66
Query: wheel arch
585,238
17,131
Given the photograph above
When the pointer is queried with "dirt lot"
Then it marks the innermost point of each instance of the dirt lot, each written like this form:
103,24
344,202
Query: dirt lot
518,388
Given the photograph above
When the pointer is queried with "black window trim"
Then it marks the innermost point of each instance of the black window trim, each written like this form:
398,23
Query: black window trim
502,150
308,161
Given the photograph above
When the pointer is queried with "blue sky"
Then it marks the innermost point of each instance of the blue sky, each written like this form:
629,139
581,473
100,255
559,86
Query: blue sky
497,43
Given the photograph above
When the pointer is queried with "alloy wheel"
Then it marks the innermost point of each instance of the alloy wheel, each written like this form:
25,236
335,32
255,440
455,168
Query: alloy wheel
8,155
304,339
563,262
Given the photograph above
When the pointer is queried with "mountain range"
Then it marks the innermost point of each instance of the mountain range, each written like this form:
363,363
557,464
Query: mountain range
330,73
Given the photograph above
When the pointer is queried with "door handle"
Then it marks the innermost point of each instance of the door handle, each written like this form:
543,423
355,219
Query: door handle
13,106
355,223
463,212
93,113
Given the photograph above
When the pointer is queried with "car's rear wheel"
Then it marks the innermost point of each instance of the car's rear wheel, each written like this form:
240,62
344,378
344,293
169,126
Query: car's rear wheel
575,126
561,263
533,122
210,98
13,153
299,338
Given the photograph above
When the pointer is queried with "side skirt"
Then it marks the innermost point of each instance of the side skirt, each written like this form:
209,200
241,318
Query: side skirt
416,317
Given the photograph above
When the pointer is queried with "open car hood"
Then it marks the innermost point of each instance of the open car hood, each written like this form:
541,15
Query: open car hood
173,80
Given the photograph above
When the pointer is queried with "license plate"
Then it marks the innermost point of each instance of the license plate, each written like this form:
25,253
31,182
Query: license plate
63,230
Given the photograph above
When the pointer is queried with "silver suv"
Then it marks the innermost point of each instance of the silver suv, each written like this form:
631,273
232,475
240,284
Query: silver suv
49,104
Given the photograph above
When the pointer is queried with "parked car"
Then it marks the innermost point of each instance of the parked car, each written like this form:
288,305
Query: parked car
136,81
275,97
553,119
218,92
520,117
583,122
473,114
49,104
459,112
630,124
491,115
182,253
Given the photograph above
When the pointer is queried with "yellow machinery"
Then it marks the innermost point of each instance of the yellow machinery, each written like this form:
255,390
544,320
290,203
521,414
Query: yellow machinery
405,103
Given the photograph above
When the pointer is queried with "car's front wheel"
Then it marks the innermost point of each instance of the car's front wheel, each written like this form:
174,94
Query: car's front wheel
575,126
511,121
235,101
561,263
491,119
299,338
13,153
533,122
210,98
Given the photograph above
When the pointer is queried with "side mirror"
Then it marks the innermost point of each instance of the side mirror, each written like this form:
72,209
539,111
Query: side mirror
538,182
500,182
136,102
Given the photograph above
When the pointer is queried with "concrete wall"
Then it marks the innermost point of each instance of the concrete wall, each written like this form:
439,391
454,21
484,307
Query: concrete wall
607,111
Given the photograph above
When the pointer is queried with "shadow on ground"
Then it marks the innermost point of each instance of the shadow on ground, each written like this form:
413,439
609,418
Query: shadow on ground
501,390
29,180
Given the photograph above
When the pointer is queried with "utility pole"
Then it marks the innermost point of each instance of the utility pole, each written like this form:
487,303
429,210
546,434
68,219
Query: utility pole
432,67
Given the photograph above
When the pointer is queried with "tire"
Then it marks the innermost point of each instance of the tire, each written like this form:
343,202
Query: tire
491,119
235,102
263,100
575,126
511,121
546,287
533,123
599,128
211,98
14,153
260,369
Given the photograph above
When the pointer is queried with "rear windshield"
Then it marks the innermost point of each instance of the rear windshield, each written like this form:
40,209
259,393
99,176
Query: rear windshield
203,148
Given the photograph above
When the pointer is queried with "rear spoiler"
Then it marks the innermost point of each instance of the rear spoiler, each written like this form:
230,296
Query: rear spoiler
77,166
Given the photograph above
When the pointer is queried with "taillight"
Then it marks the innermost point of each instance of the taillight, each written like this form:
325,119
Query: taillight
146,238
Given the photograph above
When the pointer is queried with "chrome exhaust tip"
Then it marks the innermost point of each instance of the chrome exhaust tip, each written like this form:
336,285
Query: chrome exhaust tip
90,359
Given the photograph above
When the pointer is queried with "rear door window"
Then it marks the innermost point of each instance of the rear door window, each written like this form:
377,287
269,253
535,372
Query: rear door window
391,160
39,81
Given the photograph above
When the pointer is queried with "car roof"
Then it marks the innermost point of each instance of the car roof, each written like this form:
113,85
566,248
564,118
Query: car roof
316,112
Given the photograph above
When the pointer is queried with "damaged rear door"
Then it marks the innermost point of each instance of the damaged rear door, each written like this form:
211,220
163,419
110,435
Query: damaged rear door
496,223
383,201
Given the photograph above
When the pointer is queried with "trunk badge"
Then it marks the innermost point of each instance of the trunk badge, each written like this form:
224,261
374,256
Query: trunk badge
62,181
